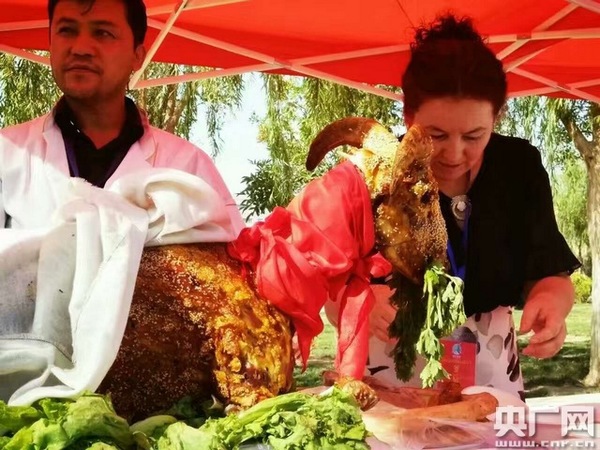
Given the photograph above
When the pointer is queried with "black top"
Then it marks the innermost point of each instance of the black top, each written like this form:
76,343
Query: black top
512,232
96,165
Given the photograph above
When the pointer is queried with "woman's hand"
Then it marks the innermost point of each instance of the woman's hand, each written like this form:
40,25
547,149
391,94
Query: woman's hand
547,305
383,312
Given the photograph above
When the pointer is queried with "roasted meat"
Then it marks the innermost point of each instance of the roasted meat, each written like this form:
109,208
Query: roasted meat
410,226
411,235
411,232
197,328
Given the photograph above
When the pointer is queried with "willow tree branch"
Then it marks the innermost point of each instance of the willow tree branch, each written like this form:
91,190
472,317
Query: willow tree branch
585,147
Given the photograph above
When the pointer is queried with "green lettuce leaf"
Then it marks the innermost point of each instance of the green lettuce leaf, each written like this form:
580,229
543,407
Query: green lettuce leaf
13,418
84,423
294,421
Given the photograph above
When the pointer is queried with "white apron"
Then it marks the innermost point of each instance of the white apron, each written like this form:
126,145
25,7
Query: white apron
497,359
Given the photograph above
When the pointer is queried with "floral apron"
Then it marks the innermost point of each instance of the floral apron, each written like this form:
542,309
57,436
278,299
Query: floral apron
497,358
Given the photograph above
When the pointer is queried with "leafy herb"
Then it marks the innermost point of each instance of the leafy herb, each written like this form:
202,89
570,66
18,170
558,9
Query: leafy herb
292,421
423,319
407,324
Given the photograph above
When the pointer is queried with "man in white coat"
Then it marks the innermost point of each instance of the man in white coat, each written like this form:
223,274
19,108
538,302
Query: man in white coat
70,249
94,132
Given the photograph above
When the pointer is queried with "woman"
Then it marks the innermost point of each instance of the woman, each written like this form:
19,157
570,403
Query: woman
496,200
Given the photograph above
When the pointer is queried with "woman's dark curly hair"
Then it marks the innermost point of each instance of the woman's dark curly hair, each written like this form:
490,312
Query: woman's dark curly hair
450,59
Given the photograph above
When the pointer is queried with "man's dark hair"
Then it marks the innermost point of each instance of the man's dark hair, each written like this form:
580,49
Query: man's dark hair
136,16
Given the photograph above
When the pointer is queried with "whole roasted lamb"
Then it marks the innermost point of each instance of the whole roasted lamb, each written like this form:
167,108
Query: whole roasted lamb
200,324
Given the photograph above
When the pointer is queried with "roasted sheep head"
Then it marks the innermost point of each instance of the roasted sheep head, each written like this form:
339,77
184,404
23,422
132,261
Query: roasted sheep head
411,232
411,235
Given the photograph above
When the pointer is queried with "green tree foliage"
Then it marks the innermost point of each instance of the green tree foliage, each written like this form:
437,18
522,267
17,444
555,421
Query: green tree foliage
27,90
297,109
583,287
570,200
174,107
535,119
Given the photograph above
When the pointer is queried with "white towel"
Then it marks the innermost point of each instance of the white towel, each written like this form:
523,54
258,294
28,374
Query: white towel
65,291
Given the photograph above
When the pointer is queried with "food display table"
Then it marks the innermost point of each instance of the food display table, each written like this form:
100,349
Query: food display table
567,422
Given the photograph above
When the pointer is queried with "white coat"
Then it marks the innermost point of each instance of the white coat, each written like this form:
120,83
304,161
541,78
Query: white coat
34,171
69,260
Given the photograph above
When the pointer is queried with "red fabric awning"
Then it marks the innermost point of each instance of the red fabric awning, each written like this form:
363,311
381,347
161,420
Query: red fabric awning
549,47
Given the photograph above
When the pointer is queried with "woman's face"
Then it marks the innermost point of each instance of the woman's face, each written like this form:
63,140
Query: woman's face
460,129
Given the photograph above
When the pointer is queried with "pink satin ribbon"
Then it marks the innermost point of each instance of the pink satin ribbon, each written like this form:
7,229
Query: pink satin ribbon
321,245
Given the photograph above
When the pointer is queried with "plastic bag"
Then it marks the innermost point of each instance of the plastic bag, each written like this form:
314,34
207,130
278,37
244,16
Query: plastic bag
421,433
400,430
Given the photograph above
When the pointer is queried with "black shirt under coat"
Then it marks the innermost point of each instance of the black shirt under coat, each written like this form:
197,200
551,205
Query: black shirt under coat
96,165
513,236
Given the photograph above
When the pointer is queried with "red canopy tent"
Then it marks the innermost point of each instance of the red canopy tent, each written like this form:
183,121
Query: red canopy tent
549,47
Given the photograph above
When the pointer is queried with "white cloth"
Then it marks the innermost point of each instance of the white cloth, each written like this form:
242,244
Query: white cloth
66,289
497,358
34,171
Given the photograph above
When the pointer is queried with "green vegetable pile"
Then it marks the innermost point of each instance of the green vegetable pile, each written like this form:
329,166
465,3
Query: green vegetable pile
88,423
292,421
425,315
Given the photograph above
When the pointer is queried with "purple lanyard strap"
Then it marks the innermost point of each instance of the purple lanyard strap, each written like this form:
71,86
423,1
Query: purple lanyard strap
74,169
460,271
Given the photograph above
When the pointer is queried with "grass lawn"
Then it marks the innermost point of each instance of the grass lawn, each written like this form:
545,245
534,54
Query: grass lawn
322,357
560,375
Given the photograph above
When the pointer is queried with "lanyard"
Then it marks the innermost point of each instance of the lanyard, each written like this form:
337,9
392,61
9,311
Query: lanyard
460,271
73,168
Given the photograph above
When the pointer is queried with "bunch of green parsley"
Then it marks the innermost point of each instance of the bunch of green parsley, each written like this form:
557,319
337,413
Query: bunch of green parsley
425,315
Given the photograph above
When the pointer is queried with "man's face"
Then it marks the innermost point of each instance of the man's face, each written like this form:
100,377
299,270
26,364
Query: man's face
91,49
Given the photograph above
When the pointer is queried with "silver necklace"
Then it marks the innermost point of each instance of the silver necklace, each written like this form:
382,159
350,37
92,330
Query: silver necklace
460,205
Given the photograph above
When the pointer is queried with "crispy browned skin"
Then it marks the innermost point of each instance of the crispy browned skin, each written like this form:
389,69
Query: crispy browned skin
365,395
196,328
411,232
377,152
371,389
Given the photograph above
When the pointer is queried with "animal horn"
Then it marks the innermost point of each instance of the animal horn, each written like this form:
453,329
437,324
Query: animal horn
348,131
